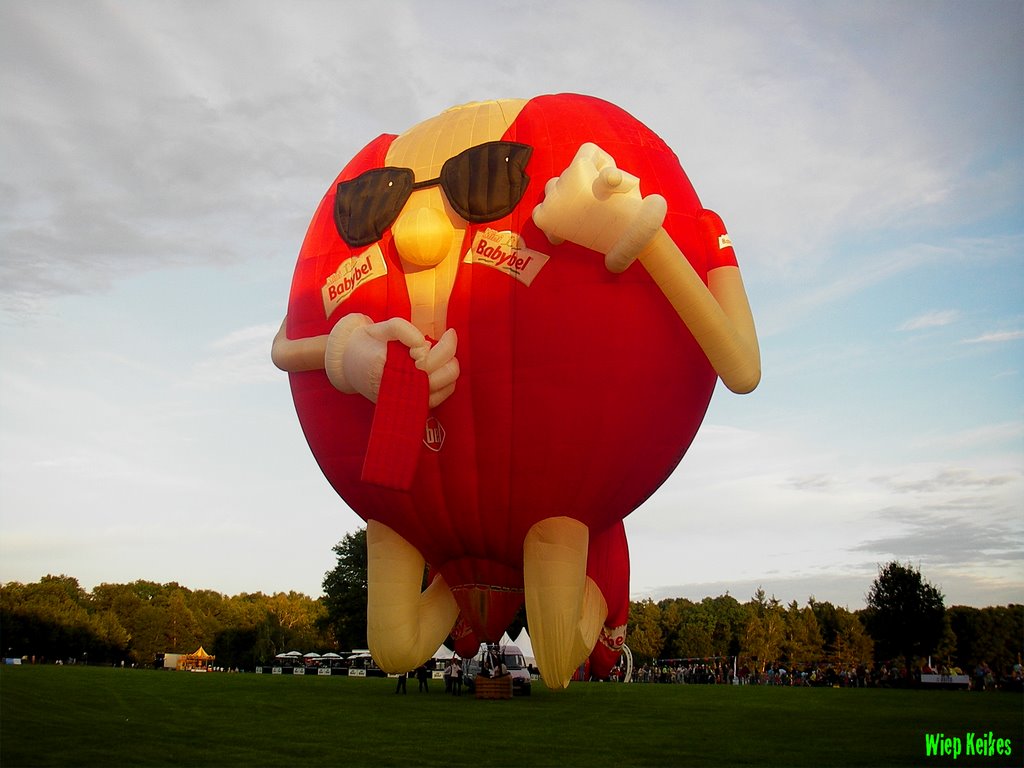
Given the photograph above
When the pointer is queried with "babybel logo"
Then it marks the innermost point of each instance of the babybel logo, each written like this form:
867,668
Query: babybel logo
350,274
506,252
433,436
613,637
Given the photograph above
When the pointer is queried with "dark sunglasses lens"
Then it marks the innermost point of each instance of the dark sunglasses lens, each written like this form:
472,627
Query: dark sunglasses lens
486,182
367,205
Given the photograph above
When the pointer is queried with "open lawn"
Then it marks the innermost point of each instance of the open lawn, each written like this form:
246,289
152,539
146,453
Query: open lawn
85,716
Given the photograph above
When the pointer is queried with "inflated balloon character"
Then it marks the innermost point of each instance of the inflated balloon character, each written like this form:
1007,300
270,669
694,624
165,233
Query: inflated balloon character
503,332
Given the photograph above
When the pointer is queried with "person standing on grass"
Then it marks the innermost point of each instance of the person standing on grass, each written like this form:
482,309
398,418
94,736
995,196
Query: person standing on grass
421,676
456,677
400,688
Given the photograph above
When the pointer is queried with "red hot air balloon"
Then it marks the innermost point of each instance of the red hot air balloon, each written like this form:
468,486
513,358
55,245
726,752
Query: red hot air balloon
503,332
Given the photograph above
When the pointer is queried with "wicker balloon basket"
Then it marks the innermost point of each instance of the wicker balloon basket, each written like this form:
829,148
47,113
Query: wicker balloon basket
493,687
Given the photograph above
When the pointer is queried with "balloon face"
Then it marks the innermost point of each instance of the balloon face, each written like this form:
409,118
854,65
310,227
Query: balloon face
577,390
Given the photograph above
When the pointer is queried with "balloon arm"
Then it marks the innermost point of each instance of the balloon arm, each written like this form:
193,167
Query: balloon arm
294,355
595,204
718,314
320,353
327,353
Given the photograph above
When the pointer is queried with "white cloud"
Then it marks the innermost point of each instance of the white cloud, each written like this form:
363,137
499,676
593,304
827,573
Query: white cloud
933,319
980,436
996,337
942,478
944,539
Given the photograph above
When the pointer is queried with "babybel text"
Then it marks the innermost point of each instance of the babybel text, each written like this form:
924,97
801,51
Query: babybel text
506,252
350,274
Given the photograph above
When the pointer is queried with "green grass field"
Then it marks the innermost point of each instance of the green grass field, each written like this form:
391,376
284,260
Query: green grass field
77,716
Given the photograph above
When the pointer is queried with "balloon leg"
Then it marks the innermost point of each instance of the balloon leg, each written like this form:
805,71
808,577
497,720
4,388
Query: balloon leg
404,625
565,609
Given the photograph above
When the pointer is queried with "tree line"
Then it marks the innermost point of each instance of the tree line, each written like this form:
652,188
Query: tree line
905,621
55,619
762,631
904,624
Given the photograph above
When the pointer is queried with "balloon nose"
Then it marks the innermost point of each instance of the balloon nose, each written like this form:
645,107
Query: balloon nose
423,236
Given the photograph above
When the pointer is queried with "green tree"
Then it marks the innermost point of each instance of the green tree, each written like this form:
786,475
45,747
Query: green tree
644,637
302,618
730,620
699,637
844,643
991,635
686,629
905,615
765,631
110,636
182,630
235,648
52,619
801,644
345,592
852,645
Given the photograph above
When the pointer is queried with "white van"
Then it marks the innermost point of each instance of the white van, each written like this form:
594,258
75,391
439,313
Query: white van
510,656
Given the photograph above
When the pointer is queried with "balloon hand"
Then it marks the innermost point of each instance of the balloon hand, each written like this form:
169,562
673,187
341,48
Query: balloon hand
597,205
357,350
440,365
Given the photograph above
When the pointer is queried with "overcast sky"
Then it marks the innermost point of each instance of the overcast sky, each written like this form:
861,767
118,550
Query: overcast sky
161,161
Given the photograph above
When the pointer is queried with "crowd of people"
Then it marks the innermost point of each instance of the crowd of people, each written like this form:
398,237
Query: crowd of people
691,673
885,675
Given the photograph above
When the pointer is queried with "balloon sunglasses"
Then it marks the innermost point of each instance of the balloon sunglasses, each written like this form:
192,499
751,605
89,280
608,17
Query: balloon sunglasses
483,183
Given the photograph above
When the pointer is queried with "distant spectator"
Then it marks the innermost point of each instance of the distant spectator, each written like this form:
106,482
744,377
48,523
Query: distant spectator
980,673
456,677
422,676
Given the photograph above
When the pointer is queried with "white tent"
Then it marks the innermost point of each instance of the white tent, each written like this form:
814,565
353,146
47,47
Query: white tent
523,643
443,653
526,646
